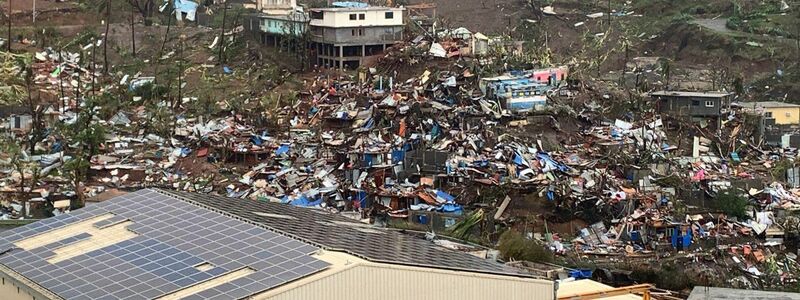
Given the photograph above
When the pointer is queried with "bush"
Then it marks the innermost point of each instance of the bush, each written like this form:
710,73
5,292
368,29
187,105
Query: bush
513,246
732,205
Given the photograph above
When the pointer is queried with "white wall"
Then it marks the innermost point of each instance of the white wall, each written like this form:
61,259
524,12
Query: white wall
372,17
370,281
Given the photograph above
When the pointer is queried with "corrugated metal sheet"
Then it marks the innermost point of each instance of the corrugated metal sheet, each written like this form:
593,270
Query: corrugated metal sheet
387,282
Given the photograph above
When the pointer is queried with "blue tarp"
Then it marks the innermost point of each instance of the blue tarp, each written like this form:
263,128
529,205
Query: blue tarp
445,196
349,4
679,240
549,162
581,274
451,208
187,7
362,198
370,122
435,131
282,150
369,159
398,155
304,201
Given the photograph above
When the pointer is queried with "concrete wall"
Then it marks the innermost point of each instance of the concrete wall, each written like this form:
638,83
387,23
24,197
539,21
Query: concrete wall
11,289
371,17
357,36
784,115
691,106
278,26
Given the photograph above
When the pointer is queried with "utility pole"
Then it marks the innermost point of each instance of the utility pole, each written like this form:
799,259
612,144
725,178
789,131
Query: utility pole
33,15
222,32
105,37
9,27
133,35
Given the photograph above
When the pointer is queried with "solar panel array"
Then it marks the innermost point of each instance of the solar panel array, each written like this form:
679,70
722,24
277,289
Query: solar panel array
335,232
173,238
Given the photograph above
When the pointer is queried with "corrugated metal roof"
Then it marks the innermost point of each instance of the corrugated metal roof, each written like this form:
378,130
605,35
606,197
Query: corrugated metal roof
338,233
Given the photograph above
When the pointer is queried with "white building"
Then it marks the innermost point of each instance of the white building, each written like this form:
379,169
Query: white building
345,36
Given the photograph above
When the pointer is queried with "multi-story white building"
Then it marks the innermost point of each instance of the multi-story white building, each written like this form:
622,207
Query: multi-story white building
344,36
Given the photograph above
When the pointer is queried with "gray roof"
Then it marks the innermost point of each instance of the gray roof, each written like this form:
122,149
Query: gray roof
357,9
338,233
172,238
712,293
691,94
768,104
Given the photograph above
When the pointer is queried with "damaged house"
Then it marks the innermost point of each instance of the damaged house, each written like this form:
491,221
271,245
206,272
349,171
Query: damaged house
700,107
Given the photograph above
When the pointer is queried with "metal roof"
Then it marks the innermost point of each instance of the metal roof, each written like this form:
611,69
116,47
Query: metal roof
338,233
691,94
164,241
768,104
712,293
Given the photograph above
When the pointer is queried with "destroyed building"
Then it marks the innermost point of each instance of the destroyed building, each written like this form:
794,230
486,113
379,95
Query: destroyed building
278,21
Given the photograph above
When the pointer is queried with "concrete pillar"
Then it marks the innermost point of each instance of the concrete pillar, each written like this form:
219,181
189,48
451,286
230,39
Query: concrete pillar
341,57
363,50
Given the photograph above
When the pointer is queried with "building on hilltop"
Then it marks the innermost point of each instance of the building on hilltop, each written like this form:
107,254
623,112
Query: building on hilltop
344,36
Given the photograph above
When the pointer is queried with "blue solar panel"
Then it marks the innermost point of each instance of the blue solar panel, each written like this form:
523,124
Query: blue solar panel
174,236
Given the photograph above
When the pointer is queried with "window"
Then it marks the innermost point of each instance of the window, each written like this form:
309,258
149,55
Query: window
352,17
709,103
768,114
362,16
361,32
695,103
353,32
390,15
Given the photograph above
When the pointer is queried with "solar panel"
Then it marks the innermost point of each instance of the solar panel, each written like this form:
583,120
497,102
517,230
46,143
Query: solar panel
338,233
173,237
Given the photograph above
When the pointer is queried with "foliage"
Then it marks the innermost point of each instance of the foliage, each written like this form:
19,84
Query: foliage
513,246
150,91
732,205
681,18
463,229
779,169
12,75
85,136
13,155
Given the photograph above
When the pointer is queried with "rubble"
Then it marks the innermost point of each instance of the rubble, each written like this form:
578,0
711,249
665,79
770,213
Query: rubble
424,149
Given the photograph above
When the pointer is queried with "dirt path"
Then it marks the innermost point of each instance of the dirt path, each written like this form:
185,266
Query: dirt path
717,25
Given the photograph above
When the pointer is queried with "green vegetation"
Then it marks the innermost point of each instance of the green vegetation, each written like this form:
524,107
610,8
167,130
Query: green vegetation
762,19
732,205
513,246
464,228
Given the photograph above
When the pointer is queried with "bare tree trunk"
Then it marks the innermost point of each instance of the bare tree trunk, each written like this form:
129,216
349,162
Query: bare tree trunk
61,80
163,44
105,38
222,32
93,69
8,47
133,35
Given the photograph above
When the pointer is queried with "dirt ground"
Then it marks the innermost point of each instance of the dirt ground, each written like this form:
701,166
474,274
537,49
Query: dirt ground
486,16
